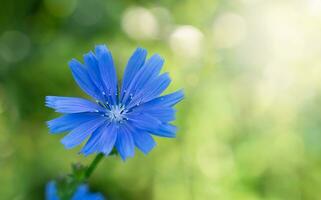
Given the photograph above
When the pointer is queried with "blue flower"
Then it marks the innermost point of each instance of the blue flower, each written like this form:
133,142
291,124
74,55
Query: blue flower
81,193
122,116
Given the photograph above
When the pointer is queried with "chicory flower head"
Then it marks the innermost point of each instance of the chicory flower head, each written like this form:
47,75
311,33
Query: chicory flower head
122,116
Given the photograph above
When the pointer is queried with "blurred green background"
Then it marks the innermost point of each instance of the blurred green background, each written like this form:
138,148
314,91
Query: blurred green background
249,127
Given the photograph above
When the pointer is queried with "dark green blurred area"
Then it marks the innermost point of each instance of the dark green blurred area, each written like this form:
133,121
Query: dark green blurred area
249,127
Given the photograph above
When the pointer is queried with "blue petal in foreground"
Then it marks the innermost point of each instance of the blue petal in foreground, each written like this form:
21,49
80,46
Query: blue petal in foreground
168,100
108,139
125,143
166,130
144,121
143,141
148,72
107,71
134,64
70,121
79,134
92,66
156,87
163,114
83,80
102,140
71,104
151,91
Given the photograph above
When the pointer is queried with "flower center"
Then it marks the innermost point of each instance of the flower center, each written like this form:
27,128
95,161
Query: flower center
116,113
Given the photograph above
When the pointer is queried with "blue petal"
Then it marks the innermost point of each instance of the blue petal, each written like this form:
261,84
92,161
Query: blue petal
83,80
93,71
95,196
51,191
147,73
71,105
70,121
134,64
156,87
107,70
151,124
79,134
165,130
144,141
143,121
108,139
92,144
162,114
151,91
146,122
81,191
166,100
125,143
102,140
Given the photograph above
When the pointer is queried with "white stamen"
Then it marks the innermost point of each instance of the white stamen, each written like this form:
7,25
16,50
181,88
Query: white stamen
116,113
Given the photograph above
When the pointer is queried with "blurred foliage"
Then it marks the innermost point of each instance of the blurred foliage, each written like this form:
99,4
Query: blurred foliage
250,126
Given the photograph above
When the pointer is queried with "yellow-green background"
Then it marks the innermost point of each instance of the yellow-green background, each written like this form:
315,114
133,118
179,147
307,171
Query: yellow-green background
249,126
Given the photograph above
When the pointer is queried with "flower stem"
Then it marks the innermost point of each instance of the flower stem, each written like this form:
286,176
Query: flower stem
93,165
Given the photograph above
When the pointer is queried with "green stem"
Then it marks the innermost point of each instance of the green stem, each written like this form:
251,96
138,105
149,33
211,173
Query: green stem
93,165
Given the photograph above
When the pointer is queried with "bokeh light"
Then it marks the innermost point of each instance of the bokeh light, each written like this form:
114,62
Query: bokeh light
140,23
14,46
229,29
186,41
60,8
89,13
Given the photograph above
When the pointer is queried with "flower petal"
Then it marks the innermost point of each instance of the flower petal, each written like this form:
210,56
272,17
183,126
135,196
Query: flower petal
146,122
166,100
102,140
135,63
108,139
163,114
71,104
91,63
166,130
79,134
91,145
144,141
70,121
125,143
51,191
151,91
82,193
83,80
143,121
107,70
148,72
